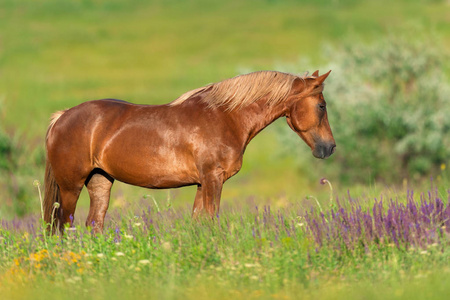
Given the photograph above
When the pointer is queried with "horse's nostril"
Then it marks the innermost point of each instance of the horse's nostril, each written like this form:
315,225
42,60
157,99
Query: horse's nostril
333,148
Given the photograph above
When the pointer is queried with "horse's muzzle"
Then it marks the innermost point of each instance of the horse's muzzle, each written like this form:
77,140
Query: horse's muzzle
323,150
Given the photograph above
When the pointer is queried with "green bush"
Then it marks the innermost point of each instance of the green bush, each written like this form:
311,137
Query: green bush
6,147
389,110
17,168
5,151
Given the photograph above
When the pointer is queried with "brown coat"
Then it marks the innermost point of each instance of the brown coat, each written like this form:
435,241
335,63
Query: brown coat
199,139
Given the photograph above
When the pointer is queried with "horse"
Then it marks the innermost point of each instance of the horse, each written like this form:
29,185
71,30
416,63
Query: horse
197,139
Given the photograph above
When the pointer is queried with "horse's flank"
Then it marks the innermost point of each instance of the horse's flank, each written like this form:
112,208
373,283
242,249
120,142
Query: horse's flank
243,90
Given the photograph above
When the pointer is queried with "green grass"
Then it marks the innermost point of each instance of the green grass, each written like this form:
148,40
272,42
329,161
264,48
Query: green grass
241,255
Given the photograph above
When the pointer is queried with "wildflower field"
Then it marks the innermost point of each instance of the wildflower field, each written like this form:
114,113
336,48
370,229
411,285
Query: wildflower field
357,248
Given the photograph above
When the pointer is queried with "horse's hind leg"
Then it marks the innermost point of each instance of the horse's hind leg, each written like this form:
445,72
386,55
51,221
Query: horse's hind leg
69,199
99,187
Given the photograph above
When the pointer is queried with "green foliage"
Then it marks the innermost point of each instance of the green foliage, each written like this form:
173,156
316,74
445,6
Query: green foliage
389,109
6,149
18,165
6,146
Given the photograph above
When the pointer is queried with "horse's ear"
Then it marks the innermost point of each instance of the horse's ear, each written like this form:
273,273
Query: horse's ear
319,80
316,73
298,85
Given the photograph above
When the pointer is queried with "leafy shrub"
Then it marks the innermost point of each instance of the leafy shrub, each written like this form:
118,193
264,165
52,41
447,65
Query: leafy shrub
5,151
16,171
6,147
389,109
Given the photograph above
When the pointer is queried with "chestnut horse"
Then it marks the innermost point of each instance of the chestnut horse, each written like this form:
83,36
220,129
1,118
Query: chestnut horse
198,139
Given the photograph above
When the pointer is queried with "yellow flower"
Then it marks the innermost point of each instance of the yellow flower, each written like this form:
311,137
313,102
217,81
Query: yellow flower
39,256
443,167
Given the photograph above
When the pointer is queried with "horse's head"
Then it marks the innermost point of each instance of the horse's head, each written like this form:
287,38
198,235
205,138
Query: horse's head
307,115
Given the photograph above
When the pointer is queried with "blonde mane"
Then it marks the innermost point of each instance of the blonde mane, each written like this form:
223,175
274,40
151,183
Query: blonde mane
243,90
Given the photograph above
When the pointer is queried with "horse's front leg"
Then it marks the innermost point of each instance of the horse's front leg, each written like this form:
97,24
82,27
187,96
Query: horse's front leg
198,203
210,191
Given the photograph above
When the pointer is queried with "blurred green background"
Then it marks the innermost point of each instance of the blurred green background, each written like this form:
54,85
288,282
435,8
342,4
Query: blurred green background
387,95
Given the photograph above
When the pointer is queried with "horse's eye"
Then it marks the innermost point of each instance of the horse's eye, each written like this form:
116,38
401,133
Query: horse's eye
322,107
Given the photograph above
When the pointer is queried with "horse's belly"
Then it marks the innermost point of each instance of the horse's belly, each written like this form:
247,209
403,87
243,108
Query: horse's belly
152,171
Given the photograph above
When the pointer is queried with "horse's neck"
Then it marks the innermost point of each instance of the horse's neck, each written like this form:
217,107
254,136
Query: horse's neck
256,117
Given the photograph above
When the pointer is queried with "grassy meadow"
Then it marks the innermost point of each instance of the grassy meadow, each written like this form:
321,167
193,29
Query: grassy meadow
355,249
280,234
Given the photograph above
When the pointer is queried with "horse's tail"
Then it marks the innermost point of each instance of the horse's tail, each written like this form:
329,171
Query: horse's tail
51,195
